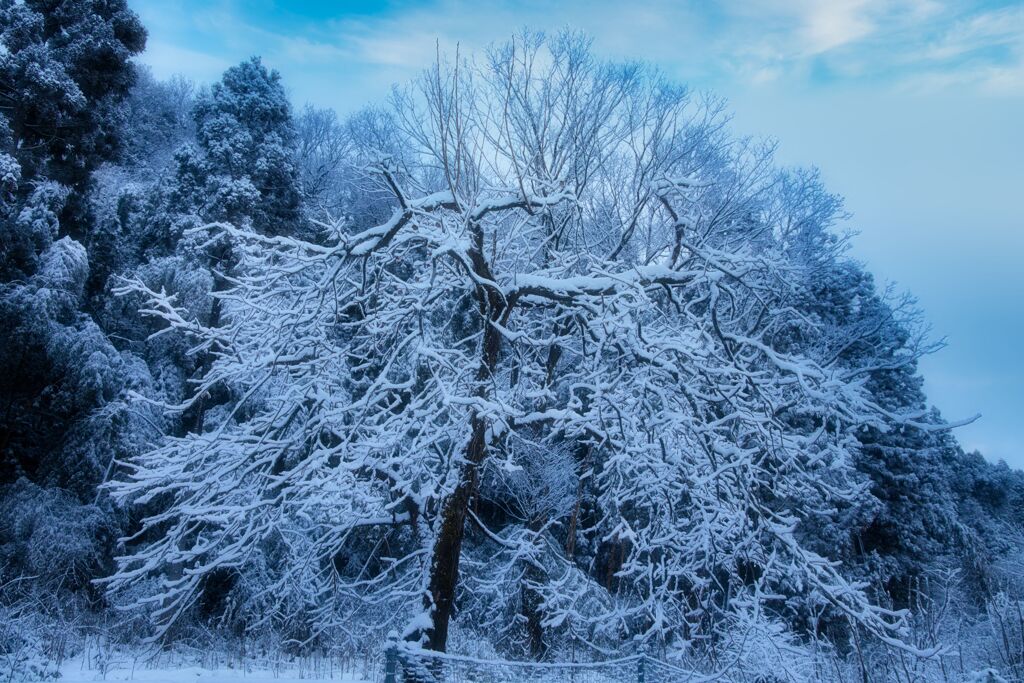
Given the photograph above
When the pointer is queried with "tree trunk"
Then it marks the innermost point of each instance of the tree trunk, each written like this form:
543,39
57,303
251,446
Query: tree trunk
444,566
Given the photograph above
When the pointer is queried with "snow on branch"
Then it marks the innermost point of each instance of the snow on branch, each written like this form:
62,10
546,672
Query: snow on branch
410,396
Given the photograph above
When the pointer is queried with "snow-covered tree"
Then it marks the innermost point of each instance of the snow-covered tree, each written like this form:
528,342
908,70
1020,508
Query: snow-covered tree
239,166
536,360
242,166
64,71
324,152
565,356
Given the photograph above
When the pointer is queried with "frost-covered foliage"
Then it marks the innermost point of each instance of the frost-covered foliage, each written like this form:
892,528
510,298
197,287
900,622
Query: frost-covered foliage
241,167
65,69
65,417
47,534
65,385
227,154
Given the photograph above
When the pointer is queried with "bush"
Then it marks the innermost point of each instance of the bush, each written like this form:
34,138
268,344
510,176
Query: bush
47,534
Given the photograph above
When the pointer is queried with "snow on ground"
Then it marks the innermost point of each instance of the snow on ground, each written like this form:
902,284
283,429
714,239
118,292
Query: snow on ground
78,671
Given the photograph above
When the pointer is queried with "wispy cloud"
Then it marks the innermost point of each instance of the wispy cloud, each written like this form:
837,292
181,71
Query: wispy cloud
829,25
910,44
804,28
1000,28
167,59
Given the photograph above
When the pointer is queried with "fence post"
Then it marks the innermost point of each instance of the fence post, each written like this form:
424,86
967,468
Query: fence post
391,659
641,669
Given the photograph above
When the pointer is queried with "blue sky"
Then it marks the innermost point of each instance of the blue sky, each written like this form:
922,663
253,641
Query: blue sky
913,110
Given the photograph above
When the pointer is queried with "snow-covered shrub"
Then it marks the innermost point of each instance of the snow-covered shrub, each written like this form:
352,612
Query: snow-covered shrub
26,653
46,533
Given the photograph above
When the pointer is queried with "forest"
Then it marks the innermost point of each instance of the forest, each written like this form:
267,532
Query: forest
538,360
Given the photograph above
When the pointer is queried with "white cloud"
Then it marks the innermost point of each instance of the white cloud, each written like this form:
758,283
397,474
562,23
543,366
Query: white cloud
410,51
302,50
828,25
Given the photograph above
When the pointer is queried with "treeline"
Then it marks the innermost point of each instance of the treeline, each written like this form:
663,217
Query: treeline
606,353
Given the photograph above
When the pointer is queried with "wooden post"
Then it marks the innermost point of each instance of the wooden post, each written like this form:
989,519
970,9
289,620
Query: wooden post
391,659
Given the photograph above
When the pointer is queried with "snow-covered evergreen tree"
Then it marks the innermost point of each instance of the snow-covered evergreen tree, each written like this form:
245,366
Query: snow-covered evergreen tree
65,71
240,167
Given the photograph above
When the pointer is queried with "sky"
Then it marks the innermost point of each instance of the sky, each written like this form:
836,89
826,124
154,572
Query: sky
912,109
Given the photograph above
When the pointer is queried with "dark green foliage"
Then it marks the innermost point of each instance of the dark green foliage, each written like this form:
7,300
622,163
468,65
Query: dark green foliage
64,415
64,74
241,168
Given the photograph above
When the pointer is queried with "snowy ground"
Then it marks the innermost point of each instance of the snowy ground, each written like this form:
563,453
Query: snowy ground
77,671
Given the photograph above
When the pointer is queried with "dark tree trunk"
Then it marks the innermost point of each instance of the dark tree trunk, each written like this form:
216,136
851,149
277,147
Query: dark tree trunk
193,419
444,566
444,569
